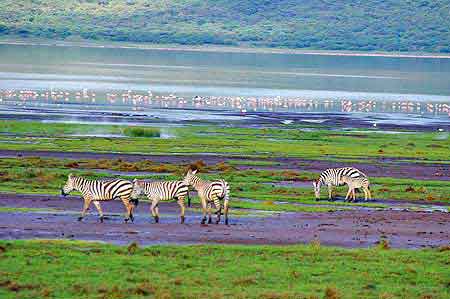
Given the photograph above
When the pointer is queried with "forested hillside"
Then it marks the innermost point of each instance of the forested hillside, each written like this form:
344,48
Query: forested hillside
382,25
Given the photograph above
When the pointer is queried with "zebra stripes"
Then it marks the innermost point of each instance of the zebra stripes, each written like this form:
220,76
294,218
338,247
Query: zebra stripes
333,177
96,191
210,192
161,191
354,183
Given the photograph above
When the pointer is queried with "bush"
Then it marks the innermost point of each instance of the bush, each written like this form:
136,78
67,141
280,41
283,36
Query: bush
142,132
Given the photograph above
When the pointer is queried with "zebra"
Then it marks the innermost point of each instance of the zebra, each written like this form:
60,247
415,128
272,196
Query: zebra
357,182
333,177
97,190
161,191
210,192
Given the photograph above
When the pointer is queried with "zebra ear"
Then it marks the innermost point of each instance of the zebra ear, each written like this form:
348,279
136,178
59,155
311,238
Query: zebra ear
70,175
135,180
194,171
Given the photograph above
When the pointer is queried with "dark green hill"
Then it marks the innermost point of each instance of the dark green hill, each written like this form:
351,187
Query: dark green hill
383,25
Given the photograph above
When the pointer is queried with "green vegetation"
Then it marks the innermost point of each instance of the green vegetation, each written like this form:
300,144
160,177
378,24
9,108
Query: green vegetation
62,269
252,188
46,176
141,132
277,142
401,25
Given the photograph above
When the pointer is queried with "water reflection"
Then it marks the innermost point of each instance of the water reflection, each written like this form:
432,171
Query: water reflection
139,100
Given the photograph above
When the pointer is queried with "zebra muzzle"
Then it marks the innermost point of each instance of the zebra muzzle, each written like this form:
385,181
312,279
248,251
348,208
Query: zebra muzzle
63,193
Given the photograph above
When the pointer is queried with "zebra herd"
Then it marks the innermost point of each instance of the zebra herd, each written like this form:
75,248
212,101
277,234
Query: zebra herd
211,193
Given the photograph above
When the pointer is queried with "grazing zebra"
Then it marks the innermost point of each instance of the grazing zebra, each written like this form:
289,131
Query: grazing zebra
333,177
210,192
161,191
97,190
357,182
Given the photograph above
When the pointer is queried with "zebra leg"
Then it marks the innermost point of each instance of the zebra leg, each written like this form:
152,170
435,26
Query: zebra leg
209,213
354,195
153,210
330,191
128,207
132,206
203,201
181,204
348,193
157,212
189,200
99,209
225,210
87,202
369,196
218,213
218,210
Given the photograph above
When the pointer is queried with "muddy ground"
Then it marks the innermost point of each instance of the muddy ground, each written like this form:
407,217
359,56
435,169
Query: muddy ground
56,218
383,167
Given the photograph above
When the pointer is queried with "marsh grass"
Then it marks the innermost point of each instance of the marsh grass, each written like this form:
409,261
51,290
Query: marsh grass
46,176
141,132
63,269
274,142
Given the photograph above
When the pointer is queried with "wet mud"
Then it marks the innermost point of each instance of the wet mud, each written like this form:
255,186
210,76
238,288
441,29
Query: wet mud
55,217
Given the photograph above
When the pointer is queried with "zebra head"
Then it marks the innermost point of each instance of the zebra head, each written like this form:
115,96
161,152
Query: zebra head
316,185
69,186
138,188
190,177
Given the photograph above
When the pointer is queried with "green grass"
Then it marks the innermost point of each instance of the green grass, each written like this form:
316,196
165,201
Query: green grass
63,269
321,144
46,176
35,175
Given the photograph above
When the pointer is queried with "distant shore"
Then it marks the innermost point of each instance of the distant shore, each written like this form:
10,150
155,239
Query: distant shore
214,48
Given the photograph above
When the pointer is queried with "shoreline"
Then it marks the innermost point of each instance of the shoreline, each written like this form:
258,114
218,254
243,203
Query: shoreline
216,49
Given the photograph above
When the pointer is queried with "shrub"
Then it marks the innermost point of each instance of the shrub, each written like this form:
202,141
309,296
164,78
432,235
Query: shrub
142,132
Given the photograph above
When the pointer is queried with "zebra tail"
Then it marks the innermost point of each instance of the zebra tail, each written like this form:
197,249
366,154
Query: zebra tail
226,188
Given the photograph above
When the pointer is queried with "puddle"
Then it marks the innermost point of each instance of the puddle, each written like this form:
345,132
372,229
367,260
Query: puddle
391,206
18,142
314,121
98,135
420,208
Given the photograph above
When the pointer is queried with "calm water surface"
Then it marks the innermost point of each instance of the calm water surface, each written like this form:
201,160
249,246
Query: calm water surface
222,80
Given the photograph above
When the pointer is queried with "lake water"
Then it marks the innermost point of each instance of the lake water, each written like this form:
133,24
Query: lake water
32,75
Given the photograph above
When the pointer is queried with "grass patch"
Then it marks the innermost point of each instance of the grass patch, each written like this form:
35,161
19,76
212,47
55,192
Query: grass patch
46,176
275,142
74,269
142,132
